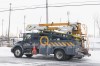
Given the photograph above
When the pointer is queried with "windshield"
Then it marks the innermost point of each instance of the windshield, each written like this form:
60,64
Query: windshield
26,37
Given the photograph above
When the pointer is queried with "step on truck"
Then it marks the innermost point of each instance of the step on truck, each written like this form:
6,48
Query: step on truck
64,40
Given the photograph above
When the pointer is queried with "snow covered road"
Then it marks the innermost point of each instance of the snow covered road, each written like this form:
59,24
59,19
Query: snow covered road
7,59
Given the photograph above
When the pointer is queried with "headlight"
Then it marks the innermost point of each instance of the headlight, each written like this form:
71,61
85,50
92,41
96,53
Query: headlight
26,44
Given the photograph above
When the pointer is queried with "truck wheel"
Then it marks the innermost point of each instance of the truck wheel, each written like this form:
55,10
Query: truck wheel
59,55
18,52
29,55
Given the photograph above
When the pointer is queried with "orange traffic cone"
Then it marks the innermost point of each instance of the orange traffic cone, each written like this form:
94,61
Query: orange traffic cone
34,50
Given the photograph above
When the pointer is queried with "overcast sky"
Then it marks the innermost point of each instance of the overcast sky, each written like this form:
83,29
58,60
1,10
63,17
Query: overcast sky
83,14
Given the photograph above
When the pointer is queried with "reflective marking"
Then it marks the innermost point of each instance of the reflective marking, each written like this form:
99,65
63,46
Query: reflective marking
63,43
49,44
68,44
71,43
52,44
60,44
56,44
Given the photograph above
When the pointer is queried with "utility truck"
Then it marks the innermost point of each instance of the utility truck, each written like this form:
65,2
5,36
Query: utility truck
64,40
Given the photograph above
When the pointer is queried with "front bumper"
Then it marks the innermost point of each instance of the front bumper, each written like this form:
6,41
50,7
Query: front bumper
12,49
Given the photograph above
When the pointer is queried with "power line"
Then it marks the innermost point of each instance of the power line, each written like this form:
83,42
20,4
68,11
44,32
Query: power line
50,6
29,6
56,4
76,2
4,10
21,9
74,5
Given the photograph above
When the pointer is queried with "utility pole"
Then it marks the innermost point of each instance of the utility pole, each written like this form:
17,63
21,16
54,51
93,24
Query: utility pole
40,19
47,22
47,12
9,23
24,23
2,26
94,29
17,33
68,15
60,19
94,36
2,34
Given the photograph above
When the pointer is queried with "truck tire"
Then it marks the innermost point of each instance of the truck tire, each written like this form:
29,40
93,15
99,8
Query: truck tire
29,55
59,55
18,52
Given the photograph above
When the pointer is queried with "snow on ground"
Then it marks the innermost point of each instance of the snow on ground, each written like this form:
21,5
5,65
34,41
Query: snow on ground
5,51
7,64
8,59
95,56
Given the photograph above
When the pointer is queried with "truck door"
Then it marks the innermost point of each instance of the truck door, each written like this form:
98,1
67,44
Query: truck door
43,45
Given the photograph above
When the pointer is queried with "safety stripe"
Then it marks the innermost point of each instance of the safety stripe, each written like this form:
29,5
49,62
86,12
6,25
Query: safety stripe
68,44
52,44
71,43
56,44
60,44
49,44
64,43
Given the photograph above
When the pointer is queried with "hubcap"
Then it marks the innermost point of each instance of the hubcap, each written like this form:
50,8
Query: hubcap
17,52
59,55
